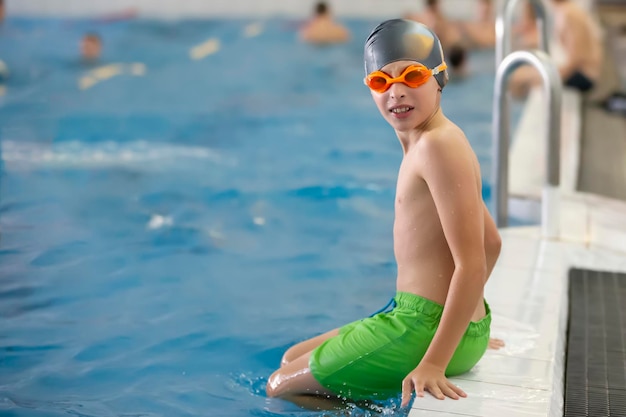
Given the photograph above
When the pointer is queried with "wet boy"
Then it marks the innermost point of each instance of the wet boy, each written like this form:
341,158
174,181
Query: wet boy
445,243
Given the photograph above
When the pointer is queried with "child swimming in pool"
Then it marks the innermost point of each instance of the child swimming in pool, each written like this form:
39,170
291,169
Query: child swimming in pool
445,243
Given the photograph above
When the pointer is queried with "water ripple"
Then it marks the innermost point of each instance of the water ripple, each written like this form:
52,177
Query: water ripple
40,348
81,154
61,253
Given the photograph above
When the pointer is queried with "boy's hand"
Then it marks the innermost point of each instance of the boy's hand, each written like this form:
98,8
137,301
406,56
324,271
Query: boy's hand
495,344
428,377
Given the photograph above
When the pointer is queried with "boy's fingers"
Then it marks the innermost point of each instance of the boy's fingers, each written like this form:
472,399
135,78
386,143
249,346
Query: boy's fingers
407,387
449,392
458,390
496,343
436,392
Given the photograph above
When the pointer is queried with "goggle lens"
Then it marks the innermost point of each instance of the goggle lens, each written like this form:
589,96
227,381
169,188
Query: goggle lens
417,76
377,82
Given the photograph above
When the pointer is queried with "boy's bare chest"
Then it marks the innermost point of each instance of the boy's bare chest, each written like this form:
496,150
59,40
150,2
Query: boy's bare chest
411,191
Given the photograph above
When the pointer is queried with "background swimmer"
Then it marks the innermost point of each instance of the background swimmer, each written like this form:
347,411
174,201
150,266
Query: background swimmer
480,32
322,27
90,47
434,17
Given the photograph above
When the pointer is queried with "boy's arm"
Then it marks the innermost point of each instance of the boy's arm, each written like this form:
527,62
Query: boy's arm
452,179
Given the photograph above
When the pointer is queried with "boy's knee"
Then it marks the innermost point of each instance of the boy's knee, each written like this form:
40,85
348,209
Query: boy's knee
288,356
292,354
271,388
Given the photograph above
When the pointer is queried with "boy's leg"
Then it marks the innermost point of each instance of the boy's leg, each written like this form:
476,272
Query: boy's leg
295,382
306,346
309,345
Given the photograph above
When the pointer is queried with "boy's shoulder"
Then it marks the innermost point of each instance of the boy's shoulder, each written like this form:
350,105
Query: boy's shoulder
446,133
439,143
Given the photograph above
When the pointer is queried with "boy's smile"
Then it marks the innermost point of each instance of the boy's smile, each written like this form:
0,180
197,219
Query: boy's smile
401,111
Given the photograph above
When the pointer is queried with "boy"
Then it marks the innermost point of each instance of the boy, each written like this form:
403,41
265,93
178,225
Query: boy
445,245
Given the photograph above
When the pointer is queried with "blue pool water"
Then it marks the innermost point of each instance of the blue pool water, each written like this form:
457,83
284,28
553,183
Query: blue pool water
164,236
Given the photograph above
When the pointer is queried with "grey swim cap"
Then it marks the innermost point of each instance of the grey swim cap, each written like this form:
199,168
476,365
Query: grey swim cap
401,39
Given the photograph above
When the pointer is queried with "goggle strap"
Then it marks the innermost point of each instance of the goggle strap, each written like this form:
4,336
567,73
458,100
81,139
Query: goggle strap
441,67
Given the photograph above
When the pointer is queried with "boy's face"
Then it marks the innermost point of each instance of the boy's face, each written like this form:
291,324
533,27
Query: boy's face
404,107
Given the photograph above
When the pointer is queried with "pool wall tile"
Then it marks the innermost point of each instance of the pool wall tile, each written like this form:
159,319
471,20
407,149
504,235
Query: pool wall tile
225,8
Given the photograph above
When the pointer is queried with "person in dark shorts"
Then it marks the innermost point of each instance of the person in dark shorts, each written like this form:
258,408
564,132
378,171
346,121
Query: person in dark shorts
579,37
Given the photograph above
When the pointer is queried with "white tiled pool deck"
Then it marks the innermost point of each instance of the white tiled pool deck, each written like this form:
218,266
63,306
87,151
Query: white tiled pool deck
528,288
528,296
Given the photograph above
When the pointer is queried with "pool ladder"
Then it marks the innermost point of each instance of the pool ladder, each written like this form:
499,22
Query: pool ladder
506,63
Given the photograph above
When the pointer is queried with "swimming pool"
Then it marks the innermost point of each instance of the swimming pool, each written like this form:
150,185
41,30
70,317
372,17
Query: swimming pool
165,234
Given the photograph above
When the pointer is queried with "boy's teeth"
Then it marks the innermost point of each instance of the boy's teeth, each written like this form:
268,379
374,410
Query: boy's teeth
400,110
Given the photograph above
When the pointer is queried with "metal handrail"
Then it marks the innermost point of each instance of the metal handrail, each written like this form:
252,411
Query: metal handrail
552,94
504,26
552,90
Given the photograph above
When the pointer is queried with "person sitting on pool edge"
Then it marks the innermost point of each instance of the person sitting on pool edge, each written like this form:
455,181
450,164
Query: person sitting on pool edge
580,38
445,243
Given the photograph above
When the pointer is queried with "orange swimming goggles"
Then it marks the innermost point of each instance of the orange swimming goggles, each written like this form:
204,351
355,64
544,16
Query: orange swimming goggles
413,76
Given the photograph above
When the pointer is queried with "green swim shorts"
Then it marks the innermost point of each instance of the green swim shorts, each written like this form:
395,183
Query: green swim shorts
370,357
